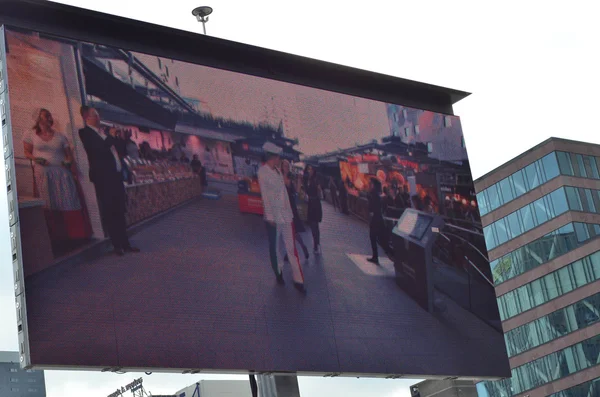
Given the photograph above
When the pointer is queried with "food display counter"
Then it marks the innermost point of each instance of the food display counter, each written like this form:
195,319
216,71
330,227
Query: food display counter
157,187
33,221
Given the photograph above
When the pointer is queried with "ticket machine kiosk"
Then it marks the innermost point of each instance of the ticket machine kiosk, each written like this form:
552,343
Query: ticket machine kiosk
413,237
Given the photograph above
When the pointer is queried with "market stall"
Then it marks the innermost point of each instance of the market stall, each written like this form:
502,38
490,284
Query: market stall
158,186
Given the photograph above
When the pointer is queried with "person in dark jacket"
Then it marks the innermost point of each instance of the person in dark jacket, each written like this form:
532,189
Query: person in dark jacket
198,169
105,173
288,179
335,199
343,194
315,210
376,224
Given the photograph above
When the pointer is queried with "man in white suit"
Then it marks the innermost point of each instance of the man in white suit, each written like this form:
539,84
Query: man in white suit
279,216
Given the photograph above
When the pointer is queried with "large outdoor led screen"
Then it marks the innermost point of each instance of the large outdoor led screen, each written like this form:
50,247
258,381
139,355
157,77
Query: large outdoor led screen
178,217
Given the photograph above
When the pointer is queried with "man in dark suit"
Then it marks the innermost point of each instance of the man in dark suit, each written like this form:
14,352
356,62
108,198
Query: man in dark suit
106,175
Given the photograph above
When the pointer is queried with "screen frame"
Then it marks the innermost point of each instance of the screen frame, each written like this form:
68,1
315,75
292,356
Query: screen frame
74,23
90,26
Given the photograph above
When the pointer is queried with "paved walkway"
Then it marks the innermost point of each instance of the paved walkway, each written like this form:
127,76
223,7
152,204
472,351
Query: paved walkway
202,295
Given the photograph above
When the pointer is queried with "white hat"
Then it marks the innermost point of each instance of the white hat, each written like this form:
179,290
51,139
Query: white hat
269,147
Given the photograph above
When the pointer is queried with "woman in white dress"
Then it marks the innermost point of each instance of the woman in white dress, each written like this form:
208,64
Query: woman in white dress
54,181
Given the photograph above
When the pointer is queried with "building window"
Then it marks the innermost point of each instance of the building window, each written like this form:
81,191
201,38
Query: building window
159,63
395,117
31,380
591,388
462,141
550,286
548,369
429,147
523,181
447,121
417,131
14,389
540,211
404,113
13,370
407,132
167,70
14,380
31,390
554,244
505,190
482,202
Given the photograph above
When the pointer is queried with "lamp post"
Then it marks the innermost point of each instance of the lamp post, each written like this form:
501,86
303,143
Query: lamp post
201,14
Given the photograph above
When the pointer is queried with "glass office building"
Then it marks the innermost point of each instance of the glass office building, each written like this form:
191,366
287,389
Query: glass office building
541,217
15,382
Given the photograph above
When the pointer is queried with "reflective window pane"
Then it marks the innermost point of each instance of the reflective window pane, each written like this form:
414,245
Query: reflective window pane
527,218
591,167
488,235
505,190
482,202
518,182
493,197
581,231
501,231
514,225
559,201
552,285
550,166
590,205
540,210
582,172
532,176
564,162
573,198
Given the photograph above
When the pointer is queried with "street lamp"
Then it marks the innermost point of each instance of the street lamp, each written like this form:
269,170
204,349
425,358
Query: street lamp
201,14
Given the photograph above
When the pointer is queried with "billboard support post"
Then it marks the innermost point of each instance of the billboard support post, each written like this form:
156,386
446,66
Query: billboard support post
269,385
287,386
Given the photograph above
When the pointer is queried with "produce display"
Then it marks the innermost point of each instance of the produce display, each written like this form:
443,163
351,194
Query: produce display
145,171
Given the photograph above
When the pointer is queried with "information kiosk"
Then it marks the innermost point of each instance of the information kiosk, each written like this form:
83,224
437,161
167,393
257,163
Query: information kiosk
413,238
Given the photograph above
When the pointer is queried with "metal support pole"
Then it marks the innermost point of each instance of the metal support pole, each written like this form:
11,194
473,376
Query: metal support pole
278,386
287,386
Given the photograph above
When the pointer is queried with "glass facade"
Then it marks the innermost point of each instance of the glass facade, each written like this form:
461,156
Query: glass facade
562,322
546,369
519,183
554,244
551,286
553,326
587,389
536,174
541,211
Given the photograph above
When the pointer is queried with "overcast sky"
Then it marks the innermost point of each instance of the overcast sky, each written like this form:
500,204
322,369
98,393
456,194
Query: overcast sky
533,69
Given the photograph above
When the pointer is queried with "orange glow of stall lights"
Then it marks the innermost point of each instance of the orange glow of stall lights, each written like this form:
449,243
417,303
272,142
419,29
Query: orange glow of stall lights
464,201
473,203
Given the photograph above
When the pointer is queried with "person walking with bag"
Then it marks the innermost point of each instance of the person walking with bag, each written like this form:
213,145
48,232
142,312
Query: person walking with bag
315,209
279,217
291,189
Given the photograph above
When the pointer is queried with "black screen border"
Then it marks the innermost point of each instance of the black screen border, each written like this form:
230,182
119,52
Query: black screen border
90,26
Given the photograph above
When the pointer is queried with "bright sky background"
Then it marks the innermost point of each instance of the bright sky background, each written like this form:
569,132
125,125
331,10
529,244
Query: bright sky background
532,66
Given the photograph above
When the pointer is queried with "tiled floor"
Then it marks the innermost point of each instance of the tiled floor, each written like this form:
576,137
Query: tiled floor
202,294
